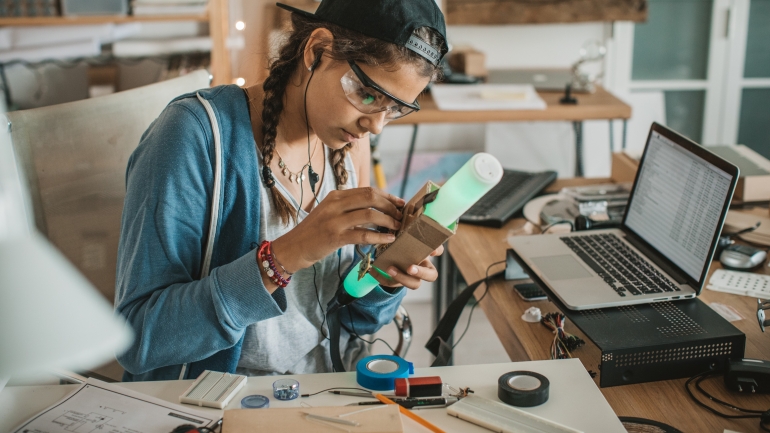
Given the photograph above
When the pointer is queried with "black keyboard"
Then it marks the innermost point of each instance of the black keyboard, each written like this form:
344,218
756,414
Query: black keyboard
618,265
509,196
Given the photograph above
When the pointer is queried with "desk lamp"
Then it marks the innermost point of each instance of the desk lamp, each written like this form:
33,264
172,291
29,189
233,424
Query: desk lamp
50,315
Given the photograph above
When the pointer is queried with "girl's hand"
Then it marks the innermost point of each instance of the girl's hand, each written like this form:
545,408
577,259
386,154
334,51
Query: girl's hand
414,275
336,222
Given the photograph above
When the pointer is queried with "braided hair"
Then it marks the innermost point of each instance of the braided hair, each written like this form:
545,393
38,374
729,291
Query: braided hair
346,45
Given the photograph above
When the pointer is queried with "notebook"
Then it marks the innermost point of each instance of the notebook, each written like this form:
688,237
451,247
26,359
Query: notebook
664,246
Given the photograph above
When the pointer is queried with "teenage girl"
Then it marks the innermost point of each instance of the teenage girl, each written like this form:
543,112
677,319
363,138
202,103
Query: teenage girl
243,206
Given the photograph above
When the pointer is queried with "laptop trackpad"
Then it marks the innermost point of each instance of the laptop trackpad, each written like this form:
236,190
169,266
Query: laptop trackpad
564,267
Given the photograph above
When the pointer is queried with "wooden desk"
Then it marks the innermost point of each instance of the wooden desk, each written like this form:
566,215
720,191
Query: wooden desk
572,395
600,105
473,248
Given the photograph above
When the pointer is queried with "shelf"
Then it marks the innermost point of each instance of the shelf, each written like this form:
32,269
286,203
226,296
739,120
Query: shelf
217,18
96,19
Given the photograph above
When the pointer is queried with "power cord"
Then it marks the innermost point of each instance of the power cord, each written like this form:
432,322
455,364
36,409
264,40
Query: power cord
764,416
318,298
311,174
486,290
333,389
355,333
350,314
546,228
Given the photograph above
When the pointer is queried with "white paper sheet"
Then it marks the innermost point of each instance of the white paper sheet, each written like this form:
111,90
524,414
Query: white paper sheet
479,97
99,406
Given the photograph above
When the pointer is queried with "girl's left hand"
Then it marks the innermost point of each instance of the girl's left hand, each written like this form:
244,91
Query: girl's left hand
414,275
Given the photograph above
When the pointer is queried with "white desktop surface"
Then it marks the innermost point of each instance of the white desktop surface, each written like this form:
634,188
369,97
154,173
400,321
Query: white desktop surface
574,401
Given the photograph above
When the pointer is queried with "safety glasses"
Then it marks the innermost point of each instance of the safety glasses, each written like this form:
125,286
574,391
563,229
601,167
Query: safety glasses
370,98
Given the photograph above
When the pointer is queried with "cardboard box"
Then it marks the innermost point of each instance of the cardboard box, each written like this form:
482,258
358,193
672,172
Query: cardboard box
419,235
623,167
468,61
753,185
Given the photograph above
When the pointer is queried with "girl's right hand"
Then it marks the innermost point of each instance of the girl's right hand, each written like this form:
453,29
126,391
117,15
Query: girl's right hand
337,221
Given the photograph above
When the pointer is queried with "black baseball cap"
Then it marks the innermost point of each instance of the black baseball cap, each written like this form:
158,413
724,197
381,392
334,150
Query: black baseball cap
389,20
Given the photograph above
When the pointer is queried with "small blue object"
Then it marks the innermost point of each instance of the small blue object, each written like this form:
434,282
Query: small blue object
255,402
379,372
286,389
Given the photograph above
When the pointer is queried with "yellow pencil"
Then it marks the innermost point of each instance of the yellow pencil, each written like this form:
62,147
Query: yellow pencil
410,414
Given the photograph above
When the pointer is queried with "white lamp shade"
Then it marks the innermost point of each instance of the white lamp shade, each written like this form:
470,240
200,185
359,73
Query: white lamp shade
50,315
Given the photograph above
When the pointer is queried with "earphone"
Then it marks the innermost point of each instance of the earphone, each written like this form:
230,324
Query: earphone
315,63
313,176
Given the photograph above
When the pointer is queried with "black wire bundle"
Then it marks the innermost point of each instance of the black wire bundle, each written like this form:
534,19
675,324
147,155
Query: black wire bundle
763,415
563,342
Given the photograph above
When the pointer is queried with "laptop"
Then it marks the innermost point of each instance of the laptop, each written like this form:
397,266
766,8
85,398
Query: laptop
664,246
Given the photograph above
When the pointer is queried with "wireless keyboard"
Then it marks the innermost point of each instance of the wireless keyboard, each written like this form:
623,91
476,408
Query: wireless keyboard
509,196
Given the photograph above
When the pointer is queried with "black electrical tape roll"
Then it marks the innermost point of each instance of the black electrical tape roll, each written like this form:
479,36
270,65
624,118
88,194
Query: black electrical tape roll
523,388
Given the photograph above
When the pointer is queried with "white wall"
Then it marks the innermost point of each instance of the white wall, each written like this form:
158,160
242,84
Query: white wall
520,46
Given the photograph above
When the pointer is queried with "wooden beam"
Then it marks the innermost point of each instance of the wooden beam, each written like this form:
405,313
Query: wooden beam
219,29
543,11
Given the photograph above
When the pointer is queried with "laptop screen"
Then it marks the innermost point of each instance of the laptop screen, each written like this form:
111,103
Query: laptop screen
677,203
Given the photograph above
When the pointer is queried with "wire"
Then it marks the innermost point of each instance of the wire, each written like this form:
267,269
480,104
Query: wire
563,343
698,378
350,314
571,225
486,290
723,403
320,307
355,333
307,130
332,389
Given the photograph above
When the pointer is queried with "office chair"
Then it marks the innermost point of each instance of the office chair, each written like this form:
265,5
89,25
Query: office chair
74,158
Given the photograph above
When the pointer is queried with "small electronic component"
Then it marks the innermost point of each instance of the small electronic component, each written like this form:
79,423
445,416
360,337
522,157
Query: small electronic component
430,386
748,375
285,389
366,264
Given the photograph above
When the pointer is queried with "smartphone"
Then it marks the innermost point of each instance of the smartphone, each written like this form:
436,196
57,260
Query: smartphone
530,292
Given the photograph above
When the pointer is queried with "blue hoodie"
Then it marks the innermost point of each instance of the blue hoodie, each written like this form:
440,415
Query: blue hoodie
178,317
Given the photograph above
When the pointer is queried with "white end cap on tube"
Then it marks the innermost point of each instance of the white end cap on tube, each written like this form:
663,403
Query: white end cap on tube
474,179
487,168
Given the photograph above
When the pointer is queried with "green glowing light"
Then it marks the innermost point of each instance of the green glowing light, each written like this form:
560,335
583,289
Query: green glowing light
465,188
474,179
358,288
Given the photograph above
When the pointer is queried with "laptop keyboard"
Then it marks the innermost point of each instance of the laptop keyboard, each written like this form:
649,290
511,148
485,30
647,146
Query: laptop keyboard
618,265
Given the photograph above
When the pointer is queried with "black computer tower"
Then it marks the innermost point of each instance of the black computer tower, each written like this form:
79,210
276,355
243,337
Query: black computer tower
657,341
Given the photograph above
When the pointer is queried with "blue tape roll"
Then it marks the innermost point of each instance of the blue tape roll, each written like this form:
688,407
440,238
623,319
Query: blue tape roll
379,372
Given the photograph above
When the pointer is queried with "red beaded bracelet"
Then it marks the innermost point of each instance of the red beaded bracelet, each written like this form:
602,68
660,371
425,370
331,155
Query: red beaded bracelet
265,259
